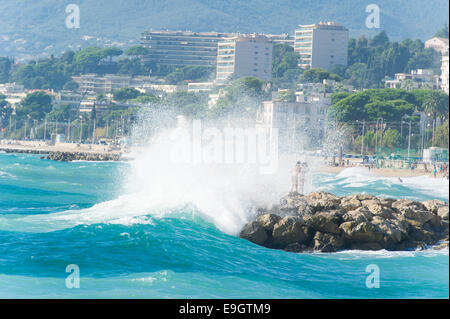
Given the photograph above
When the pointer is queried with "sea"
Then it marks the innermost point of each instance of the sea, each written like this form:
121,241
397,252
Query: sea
146,229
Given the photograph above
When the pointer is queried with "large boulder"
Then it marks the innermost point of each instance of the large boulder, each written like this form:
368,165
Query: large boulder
362,232
386,202
320,201
393,231
443,212
370,202
422,236
267,221
287,231
254,232
416,217
350,203
327,243
359,215
305,209
403,205
326,222
433,205
382,211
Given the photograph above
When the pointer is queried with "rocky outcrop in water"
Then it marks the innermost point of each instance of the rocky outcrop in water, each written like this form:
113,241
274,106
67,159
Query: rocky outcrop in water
69,156
323,222
82,156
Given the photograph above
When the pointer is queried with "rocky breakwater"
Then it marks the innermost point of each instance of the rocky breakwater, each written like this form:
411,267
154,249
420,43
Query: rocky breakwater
82,156
323,222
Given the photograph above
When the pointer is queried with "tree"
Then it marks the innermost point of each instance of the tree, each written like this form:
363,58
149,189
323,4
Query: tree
242,98
286,96
131,67
369,105
392,139
35,106
5,111
436,104
112,52
125,94
5,69
136,51
317,75
441,135
177,99
64,113
146,99
443,33
249,86
285,70
88,59
71,86
193,73
381,39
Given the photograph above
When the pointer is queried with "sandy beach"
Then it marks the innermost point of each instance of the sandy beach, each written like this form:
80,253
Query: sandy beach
384,172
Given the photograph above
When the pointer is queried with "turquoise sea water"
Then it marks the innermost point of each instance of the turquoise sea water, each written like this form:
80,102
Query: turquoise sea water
54,214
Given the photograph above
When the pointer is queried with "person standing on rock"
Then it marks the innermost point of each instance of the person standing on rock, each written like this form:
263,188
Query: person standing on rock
302,178
296,171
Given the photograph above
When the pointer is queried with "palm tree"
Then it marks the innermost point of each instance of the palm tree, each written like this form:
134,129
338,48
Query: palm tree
436,105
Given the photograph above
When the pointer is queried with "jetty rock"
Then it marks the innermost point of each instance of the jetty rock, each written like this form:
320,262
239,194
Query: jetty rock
324,222
81,156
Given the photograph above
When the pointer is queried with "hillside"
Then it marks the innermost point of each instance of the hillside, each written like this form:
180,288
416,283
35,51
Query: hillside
29,26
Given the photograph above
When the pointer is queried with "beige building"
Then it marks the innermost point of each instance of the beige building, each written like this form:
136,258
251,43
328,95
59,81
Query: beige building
444,73
439,44
244,55
321,45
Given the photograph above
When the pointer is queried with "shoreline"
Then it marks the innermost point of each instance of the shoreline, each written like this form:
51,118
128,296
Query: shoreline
381,172
95,152
64,152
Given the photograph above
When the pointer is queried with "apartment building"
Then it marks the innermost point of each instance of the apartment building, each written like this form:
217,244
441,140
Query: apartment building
66,98
416,79
11,88
299,123
182,48
244,55
93,83
321,45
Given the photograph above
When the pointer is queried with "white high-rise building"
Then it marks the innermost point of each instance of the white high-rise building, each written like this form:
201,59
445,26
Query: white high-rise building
306,116
244,55
321,45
